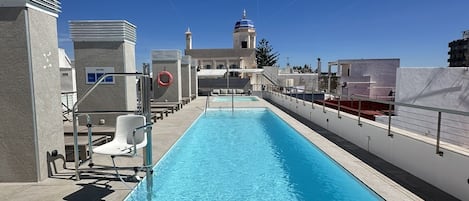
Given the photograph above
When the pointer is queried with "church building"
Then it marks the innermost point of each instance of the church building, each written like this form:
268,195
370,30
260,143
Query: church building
239,61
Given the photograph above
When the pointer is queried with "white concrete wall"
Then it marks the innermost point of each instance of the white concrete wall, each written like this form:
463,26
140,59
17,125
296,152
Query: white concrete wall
434,87
186,88
409,151
381,73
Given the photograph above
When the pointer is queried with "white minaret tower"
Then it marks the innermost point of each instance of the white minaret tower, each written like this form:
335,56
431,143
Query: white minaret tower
244,34
188,39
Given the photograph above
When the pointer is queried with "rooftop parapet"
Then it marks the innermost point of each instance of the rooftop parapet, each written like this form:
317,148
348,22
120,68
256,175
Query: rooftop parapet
186,59
52,6
102,30
166,55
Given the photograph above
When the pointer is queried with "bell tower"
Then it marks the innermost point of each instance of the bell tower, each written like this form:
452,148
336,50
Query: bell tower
244,34
188,39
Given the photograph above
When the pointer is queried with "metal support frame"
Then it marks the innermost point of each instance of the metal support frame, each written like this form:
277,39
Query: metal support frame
146,109
90,140
76,113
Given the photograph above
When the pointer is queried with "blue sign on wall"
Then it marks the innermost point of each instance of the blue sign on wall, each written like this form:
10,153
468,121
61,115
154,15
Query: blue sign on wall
94,73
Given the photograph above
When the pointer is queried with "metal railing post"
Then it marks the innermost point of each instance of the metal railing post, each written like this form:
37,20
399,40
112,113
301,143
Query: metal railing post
90,140
312,99
389,121
438,136
338,108
359,111
324,105
232,100
146,109
296,94
304,96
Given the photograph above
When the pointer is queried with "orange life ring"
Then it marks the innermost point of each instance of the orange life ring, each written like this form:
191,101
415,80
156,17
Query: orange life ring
167,82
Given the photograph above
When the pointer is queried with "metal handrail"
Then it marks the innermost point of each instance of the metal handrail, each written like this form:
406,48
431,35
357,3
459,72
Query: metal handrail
207,101
232,100
391,104
75,113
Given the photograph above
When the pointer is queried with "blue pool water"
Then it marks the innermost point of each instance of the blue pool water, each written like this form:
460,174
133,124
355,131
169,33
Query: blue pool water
235,98
250,154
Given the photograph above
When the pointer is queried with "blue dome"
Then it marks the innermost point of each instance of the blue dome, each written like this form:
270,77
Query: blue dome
244,23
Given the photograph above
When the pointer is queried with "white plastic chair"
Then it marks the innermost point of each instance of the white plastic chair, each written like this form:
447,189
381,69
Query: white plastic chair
128,138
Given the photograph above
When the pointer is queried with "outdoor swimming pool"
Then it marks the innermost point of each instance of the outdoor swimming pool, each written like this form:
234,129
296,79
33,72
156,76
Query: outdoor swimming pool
250,154
235,98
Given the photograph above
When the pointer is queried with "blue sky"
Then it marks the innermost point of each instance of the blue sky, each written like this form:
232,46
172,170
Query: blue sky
416,31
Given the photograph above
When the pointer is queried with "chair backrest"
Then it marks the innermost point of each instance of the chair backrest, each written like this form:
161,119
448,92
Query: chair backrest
125,125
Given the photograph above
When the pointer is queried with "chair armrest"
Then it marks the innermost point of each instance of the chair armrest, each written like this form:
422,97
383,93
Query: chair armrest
133,136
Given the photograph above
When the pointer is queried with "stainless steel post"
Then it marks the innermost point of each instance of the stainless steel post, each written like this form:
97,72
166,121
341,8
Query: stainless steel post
146,108
359,111
438,136
389,121
232,101
338,108
90,140
75,144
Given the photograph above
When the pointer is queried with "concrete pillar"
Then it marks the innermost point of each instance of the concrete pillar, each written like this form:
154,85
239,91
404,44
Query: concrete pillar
186,76
105,46
167,60
194,78
31,120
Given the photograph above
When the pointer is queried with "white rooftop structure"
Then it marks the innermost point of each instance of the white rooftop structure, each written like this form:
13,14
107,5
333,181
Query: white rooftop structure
102,30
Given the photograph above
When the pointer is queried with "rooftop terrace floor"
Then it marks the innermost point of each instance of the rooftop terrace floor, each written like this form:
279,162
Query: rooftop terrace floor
103,185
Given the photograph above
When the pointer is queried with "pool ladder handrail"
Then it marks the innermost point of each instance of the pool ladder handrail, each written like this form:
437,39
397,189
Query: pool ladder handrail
232,100
207,102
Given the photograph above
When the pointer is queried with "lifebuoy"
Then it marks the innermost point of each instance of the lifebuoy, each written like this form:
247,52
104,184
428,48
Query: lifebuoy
165,82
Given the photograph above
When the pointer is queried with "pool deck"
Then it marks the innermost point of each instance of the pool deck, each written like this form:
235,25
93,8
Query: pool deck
103,185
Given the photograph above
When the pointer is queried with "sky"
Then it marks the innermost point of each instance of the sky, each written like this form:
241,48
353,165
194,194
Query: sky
415,31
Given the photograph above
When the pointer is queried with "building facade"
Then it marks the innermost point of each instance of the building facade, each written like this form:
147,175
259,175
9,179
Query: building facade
371,78
459,51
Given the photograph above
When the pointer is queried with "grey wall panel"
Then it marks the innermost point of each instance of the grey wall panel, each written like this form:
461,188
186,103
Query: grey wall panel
17,133
46,78
29,76
104,97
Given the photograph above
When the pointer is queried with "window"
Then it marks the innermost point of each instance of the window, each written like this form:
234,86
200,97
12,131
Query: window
346,70
220,66
208,66
244,44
